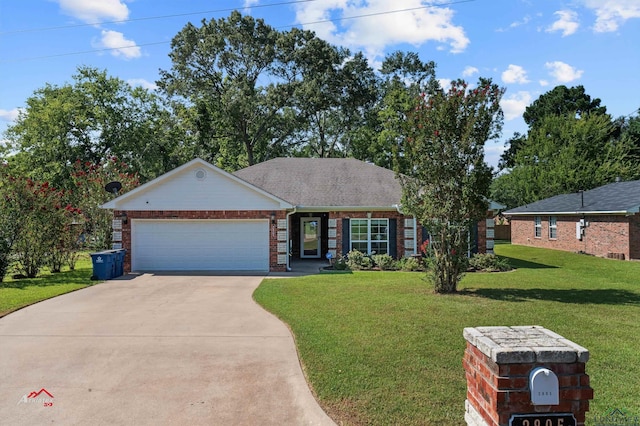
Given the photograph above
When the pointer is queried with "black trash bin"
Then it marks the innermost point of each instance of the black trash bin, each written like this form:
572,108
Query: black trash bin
103,265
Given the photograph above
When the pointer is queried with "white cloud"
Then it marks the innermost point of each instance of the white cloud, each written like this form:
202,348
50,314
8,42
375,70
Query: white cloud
513,106
611,14
524,21
146,84
445,83
469,71
515,24
249,3
91,11
9,115
374,33
492,152
563,73
543,83
515,74
119,44
567,22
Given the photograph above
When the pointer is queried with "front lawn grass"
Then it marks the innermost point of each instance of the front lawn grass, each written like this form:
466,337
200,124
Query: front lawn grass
18,293
382,348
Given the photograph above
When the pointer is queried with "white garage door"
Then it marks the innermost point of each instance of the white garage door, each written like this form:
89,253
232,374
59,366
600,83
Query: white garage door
200,245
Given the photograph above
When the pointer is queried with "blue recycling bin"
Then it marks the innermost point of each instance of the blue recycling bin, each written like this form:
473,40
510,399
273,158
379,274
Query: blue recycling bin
119,262
103,265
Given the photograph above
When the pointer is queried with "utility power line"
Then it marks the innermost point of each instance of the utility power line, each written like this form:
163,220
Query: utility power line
109,49
150,18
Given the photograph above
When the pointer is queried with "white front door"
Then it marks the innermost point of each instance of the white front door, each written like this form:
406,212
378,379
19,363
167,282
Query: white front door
310,237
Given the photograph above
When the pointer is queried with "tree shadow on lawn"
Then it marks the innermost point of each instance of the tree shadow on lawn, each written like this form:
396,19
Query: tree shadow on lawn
572,296
526,264
77,276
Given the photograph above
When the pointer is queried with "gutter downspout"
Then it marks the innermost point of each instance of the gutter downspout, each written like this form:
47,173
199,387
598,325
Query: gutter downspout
295,208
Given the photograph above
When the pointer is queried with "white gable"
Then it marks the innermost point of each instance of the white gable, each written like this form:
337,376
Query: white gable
196,185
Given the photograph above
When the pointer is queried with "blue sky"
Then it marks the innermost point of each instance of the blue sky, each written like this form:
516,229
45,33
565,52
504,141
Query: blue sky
526,46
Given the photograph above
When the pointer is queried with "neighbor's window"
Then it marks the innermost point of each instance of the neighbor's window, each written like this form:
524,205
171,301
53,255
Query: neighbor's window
553,227
538,226
370,235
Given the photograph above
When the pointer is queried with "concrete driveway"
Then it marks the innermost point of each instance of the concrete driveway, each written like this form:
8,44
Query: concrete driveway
153,349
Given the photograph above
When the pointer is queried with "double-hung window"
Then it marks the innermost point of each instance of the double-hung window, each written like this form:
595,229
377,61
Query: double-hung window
553,228
370,235
538,226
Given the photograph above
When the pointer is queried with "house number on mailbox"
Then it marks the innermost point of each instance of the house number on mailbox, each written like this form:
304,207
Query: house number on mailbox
542,420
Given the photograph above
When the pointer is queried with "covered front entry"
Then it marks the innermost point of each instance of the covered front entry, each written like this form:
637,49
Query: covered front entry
200,245
310,237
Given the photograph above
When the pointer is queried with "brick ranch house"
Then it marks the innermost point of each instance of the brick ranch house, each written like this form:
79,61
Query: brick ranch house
604,222
199,217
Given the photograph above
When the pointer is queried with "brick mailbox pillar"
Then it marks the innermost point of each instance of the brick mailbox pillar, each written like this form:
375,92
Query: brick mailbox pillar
524,376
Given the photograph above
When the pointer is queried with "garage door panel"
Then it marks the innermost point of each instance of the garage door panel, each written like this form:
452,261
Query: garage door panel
200,245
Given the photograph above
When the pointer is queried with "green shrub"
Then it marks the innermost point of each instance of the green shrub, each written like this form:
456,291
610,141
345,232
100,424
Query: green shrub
357,260
384,261
410,264
489,262
340,264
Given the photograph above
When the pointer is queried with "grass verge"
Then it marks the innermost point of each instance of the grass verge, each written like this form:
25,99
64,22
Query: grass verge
16,294
381,348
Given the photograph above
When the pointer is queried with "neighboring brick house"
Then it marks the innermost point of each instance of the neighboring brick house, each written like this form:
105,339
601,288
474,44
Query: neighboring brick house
199,217
604,222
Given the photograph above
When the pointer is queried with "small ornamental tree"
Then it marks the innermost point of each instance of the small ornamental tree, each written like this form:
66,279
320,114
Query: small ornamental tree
445,179
44,217
65,245
9,220
90,180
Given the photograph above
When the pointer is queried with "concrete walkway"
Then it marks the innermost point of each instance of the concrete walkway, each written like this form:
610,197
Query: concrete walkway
153,349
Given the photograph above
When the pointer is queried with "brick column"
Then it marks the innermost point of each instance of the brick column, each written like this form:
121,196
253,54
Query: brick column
498,362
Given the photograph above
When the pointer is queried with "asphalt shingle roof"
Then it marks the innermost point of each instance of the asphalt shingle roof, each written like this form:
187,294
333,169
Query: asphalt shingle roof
326,182
622,197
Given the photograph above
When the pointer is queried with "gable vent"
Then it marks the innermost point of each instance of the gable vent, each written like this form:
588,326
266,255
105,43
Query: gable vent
201,174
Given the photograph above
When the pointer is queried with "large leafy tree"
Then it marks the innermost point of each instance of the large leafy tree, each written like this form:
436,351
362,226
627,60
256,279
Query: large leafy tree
629,129
334,103
404,77
250,86
562,101
89,194
564,154
444,177
572,144
92,119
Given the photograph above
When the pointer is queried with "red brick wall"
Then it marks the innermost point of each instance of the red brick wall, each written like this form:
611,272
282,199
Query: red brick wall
170,214
604,234
498,391
482,236
273,242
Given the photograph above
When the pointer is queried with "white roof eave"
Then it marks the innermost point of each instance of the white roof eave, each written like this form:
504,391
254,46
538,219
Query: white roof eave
308,209
572,213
